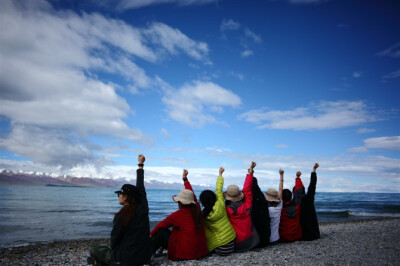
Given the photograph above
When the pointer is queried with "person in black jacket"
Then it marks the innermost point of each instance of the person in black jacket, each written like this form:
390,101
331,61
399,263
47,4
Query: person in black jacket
308,215
260,215
130,237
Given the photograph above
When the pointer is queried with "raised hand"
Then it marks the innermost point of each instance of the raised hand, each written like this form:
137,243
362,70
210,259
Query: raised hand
298,174
221,170
141,158
185,174
251,169
281,172
316,165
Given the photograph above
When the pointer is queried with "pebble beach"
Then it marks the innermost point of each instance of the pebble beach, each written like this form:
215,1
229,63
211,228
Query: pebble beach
369,242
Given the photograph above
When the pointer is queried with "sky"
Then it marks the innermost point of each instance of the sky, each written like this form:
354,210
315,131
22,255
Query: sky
85,86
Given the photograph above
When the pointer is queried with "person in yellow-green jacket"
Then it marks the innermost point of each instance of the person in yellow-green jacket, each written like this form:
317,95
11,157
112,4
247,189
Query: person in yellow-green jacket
219,231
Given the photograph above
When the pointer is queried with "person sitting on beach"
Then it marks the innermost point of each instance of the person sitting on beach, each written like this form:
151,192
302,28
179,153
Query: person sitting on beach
274,199
238,207
187,240
308,216
130,240
219,231
260,215
289,226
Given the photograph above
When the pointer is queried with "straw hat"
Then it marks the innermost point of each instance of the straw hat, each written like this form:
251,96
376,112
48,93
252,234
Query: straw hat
233,193
272,195
185,197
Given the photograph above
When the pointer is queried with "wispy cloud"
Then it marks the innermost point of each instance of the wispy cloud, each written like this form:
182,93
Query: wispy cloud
357,74
246,53
251,35
387,143
324,115
392,75
365,130
282,146
393,51
60,100
135,4
193,103
229,25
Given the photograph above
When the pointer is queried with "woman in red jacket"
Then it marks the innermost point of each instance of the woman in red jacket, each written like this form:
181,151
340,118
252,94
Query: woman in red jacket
238,207
187,240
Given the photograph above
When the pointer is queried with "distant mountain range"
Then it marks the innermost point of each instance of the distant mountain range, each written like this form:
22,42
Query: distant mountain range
45,179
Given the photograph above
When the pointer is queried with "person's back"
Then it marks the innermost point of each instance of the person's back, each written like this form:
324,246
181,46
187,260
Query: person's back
187,240
274,199
308,216
238,208
219,231
289,226
260,214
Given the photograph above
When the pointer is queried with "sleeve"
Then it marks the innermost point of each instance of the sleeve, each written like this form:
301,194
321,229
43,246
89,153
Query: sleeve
170,221
116,233
218,188
141,188
247,187
298,191
189,187
312,186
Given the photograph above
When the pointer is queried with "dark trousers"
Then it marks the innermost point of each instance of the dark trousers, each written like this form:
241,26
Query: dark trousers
102,254
160,239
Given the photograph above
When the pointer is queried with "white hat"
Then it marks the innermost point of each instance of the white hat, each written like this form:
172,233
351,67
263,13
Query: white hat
185,197
272,195
233,193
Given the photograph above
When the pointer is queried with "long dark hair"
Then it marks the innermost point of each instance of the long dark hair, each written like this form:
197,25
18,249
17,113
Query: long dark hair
127,211
207,199
196,213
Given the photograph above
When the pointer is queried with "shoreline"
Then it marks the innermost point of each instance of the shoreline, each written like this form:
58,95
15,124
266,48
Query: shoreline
366,242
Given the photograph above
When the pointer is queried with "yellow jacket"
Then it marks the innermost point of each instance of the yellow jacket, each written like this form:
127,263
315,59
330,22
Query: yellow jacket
219,230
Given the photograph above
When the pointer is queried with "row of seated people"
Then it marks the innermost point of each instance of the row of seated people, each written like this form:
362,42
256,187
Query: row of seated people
233,221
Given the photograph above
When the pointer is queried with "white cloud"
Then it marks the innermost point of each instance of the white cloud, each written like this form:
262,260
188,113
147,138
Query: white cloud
173,40
165,133
393,51
392,75
324,115
251,35
134,4
387,143
239,76
357,74
49,83
229,25
192,104
247,53
282,146
335,174
365,130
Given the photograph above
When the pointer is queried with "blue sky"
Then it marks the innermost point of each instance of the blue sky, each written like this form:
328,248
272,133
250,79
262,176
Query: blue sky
87,85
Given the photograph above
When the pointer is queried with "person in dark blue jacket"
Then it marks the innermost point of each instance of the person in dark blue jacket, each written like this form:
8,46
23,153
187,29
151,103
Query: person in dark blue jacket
130,235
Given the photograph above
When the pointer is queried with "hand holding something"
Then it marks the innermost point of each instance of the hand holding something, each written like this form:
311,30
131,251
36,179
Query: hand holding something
298,174
221,170
316,165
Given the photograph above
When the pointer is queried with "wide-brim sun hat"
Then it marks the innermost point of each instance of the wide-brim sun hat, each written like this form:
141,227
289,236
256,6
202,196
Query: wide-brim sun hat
233,193
185,197
272,195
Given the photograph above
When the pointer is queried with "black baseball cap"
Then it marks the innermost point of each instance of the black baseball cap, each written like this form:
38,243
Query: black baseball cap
128,189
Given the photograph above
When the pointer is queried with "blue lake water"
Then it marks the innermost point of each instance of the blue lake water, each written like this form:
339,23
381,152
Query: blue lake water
30,214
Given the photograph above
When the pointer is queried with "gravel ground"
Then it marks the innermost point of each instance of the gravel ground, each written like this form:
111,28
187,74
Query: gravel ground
373,242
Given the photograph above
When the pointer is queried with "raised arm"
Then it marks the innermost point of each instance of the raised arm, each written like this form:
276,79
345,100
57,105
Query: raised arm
140,172
187,184
313,181
220,184
281,172
248,184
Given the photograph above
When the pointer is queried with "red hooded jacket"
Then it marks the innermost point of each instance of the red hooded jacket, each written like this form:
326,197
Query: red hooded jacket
185,242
